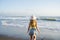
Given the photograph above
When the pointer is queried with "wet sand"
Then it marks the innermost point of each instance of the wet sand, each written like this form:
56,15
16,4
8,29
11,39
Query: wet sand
46,34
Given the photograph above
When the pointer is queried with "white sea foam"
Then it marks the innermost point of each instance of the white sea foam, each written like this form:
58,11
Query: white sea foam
22,20
4,23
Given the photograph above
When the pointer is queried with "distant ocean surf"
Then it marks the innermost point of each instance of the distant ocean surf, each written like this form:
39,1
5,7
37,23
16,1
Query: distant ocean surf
15,28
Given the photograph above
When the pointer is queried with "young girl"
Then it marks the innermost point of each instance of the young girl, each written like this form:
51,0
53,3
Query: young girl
32,28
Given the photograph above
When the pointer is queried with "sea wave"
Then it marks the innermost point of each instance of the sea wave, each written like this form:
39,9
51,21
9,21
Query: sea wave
23,21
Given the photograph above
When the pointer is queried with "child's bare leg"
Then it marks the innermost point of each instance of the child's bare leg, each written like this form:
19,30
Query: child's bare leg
34,37
30,37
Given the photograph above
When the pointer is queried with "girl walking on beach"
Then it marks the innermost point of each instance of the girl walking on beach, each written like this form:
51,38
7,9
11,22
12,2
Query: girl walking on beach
32,28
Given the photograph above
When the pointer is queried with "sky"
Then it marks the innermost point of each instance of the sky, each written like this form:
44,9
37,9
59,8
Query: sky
29,7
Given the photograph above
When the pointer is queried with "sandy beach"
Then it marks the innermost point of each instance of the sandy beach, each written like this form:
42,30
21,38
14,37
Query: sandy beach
45,34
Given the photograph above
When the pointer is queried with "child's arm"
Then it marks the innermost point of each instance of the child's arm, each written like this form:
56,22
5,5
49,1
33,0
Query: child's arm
29,27
37,27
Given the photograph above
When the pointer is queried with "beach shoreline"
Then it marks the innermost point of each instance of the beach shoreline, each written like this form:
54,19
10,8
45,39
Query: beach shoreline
45,34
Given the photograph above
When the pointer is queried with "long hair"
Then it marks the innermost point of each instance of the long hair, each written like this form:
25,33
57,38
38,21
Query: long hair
33,23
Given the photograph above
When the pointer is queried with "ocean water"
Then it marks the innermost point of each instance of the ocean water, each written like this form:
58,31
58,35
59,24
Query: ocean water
16,26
